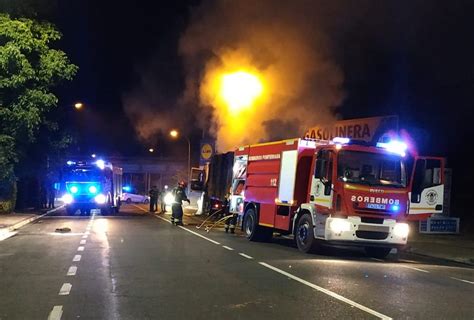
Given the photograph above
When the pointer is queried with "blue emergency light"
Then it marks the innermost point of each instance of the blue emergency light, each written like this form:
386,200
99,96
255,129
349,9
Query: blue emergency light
395,208
127,188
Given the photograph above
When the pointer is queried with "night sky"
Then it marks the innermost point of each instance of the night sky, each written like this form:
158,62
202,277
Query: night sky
409,58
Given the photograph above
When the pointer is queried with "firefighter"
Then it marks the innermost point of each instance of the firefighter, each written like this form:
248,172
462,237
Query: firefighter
231,221
154,193
162,199
179,194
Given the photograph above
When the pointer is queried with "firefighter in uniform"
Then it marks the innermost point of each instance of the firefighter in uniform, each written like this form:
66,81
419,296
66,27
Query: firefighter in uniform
179,194
153,193
231,221
162,199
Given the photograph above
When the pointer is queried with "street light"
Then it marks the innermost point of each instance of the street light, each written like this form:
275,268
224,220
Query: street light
175,134
151,150
78,105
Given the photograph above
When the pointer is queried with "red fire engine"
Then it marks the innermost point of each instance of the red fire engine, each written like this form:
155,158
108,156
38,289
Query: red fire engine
339,192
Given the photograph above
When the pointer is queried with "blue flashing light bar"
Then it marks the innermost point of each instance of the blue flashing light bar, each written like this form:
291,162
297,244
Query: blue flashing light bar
394,146
100,163
70,163
127,188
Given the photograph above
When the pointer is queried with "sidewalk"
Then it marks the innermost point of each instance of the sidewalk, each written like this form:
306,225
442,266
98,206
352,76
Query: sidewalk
459,248
10,222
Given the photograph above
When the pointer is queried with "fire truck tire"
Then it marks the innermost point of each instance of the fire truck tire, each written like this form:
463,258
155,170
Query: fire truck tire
376,252
304,235
252,230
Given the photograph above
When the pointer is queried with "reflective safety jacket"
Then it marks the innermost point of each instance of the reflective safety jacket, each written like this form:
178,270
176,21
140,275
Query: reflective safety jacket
179,195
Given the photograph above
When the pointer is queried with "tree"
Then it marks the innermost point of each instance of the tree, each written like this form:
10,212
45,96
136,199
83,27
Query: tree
29,69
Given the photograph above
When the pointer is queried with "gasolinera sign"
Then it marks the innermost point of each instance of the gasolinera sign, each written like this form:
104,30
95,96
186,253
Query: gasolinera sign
365,129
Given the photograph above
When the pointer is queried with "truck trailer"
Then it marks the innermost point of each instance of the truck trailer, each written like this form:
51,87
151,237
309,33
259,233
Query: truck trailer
91,185
337,192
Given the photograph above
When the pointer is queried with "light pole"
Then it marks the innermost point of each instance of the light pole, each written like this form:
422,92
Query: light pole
175,134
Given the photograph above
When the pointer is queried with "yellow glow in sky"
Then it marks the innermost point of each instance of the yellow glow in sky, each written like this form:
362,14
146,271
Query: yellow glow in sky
240,89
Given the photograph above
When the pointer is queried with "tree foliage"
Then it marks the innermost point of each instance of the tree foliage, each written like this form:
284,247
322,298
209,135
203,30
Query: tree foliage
29,68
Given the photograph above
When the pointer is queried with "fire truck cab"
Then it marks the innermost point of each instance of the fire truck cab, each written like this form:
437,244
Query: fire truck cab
338,192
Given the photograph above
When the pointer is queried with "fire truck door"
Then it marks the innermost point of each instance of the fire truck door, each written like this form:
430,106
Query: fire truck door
426,187
321,186
286,188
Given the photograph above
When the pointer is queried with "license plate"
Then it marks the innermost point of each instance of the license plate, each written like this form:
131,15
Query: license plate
376,206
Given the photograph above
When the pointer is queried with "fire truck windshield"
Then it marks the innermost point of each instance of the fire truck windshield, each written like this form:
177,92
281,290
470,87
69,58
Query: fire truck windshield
373,169
84,174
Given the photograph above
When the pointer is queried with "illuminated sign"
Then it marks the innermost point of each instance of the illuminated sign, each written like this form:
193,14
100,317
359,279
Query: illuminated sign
366,129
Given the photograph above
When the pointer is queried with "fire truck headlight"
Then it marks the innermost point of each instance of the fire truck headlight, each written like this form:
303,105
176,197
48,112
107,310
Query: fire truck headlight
100,199
401,230
74,189
169,199
67,198
338,225
93,189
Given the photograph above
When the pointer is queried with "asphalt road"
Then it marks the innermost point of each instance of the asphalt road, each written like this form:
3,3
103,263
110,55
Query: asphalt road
138,266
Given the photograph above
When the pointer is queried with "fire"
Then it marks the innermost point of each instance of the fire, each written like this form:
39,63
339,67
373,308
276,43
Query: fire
240,90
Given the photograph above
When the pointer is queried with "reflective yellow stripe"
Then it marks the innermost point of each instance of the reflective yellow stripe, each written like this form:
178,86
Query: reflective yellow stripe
424,209
266,224
322,200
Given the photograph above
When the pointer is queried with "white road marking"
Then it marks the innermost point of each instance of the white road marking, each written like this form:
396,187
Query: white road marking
228,248
466,281
197,234
245,255
56,313
72,271
87,233
83,241
326,291
65,289
413,268
77,258
81,248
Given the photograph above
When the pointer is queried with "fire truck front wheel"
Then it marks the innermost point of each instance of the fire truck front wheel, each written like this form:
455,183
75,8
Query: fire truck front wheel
253,231
304,235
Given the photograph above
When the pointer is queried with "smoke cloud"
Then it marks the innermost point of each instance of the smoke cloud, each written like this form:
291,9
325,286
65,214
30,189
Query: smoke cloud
284,44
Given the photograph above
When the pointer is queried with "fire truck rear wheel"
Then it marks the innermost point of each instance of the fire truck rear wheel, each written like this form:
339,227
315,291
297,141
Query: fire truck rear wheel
376,252
253,231
304,235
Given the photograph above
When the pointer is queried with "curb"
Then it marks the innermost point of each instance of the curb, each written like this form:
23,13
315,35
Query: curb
464,262
11,230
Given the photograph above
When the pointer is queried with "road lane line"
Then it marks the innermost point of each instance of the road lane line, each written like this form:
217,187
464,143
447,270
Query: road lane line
228,248
245,255
77,258
197,234
81,248
87,233
83,241
56,313
65,289
84,236
72,271
326,291
413,268
466,281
